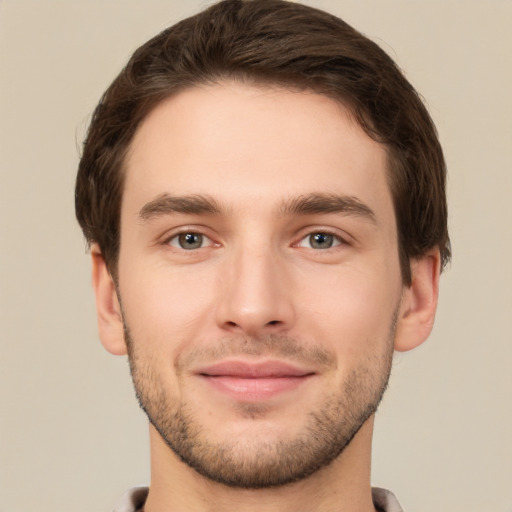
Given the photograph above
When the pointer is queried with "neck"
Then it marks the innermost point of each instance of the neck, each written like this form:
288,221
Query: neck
342,485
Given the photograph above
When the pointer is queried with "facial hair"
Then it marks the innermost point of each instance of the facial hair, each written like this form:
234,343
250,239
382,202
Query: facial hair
252,464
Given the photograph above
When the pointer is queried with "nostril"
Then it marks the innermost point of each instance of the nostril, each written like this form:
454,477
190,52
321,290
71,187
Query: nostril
273,322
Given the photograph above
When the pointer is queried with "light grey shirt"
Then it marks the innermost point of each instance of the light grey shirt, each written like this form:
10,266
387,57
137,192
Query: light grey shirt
133,500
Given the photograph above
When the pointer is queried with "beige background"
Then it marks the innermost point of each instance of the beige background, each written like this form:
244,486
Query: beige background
72,437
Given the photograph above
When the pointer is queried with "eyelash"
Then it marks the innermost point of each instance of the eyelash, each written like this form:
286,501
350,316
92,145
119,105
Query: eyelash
189,232
336,239
175,242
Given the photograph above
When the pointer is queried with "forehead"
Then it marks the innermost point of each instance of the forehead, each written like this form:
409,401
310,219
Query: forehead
246,144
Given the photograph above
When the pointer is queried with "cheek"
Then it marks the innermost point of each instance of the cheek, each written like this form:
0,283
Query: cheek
353,311
166,308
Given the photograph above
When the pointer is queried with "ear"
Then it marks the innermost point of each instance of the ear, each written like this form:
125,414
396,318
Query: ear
108,309
419,302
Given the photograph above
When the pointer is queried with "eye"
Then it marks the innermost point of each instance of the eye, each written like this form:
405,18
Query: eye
189,241
320,241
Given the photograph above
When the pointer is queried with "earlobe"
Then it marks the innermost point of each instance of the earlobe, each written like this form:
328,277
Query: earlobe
108,309
419,302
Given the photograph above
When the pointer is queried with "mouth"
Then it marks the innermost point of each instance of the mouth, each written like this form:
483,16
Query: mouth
254,382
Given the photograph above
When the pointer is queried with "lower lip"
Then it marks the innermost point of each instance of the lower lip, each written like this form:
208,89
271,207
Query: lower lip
254,389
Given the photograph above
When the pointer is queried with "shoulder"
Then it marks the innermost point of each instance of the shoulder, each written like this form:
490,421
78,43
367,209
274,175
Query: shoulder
385,500
132,500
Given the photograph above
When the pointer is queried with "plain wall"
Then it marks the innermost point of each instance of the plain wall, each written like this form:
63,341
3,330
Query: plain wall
71,434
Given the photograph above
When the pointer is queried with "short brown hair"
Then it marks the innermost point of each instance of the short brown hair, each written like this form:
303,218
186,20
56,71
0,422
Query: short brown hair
289,45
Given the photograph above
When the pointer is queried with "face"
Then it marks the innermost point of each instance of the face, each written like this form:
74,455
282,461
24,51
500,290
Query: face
259,279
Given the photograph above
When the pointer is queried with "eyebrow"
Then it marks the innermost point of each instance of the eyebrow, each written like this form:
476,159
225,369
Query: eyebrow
327,203
168,205
309,204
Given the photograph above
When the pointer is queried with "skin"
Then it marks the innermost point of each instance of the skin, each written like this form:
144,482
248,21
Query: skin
258,289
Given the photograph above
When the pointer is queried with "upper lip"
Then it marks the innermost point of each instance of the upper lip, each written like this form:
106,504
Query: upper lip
253,370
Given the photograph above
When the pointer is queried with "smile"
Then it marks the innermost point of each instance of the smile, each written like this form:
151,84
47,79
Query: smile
251,382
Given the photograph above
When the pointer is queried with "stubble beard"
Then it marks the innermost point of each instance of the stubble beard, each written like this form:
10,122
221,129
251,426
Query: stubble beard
326,432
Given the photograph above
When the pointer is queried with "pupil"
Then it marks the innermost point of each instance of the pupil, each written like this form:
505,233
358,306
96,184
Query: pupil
321,241
190,240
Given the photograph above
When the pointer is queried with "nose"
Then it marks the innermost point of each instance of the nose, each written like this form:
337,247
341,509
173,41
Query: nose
256,294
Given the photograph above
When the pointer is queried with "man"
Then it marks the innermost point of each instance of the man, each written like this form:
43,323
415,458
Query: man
263,192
